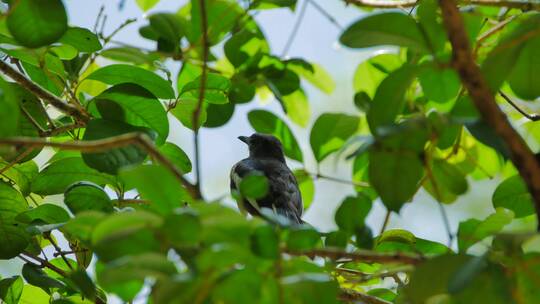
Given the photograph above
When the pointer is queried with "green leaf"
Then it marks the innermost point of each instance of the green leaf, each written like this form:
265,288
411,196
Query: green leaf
122,73
81,226
138,107
185,110
146,4
84,196
266,122
513,194
128,54
11,289
114,159
64,51
390,98
390,28
269,4
306,185
254,186
147,265
9,112
297,107
310,288
13,236
352,212
466,273
330,132
239,286
244,45
84,283
302,238
398,236
183,229
222,15
428,16
177,156
216,89
34,275
370,73
125,234
58,175
82,39
522,80
317,76
395,176
218,114
448,180
157,184
472,231
439,85
22,175
32,294
265,242
337,239
35,23
43,214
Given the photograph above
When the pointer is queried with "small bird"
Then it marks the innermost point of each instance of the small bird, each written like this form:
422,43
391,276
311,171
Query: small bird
266,157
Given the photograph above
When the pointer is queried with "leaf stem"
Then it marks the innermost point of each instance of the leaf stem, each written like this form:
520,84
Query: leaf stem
361,255
532,117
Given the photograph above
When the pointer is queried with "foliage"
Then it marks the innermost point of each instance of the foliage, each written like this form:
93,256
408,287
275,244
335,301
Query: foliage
416,128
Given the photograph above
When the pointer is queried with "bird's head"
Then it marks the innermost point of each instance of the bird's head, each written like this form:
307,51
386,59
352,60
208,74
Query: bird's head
264,146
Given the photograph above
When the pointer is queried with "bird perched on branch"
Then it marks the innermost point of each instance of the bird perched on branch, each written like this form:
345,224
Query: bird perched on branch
266,158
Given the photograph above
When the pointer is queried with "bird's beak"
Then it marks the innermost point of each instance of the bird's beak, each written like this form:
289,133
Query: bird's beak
244,139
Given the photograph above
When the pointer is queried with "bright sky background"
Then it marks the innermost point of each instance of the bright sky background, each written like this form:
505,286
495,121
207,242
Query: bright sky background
316,41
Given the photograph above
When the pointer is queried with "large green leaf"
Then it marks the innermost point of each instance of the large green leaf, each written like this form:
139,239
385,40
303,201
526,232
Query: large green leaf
352,212
513,194
390,98
216,89
302,238
13,236
136,106
35,23
265,242
9,112
122,73
447,181
266,122
330,132
114,159
84,196
314,74
472,231
523,79
58,175
11,289
183,228
391,28
33,274
157,185
439,85
370,73
44,214
177,156
82,39
22,174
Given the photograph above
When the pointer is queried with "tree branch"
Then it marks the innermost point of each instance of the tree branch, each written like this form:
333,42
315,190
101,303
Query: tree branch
101,145
521,4
361,255
471,77
350,295
533,117
42,263
43,94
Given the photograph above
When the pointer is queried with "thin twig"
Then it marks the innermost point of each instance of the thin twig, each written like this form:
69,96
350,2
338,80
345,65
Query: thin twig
325,14
61,129
142,140
294,31
42,263
202,89
463,62
533,117
520,4
340,180
361,255
385,221
58,249
41,93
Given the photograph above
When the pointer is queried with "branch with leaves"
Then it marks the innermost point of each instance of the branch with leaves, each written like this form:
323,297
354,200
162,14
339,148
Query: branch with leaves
519,4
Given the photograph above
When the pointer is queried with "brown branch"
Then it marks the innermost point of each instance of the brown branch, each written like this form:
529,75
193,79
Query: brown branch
385,221
58,249
361,255
101,145
349,295
42,263
462,60
533,117
43,94
520,4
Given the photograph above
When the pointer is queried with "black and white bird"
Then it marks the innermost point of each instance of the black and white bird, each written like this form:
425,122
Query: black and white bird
266,157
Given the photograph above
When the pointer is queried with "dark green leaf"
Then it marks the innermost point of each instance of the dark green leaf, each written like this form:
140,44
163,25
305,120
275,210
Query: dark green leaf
84,196
34,275
391,28
58,175
9,112
137,267
245,44
11,289
522,80
83,283
352,212
182,229
513,194
82,39
330,132
239,286
13,237
439,85
35,23
114,159
44,214
337,239
447,183
302,238
266,122
216,89
122,73
22,175
177,156
310,288
138,107
265,242
472,231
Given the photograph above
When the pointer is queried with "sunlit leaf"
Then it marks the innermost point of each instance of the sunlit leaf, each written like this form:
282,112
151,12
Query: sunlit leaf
330,132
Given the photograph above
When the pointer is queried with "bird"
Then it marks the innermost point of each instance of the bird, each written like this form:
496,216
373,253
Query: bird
266,157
